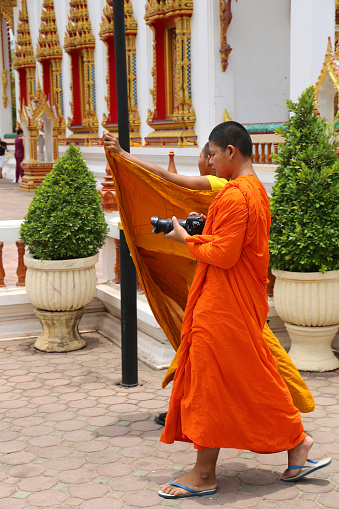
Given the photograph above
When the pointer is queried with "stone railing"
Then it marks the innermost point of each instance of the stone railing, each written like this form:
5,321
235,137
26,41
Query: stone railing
9,231
264,146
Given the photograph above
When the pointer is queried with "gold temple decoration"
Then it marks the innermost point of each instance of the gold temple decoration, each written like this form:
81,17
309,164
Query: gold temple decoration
225,20
79,43
106,34
36,113
336,25
177,127
6,8
49,54
4,85
330,67
24,61
227,118
48,47
159,9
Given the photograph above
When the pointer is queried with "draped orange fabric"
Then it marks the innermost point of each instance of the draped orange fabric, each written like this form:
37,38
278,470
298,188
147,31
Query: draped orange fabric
227,391
166,268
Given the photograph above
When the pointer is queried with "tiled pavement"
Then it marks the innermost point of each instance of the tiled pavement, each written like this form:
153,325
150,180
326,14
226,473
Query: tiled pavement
71,437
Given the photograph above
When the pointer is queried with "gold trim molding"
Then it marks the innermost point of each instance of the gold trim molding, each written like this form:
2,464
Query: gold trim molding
160,9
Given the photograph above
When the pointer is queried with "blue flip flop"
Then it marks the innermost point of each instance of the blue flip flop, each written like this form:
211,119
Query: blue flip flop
307,470
191,492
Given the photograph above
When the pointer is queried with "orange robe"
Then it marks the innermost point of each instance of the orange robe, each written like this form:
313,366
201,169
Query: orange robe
166,268
227,391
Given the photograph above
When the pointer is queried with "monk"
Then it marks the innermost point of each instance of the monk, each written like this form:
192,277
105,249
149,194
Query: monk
207,180
227,391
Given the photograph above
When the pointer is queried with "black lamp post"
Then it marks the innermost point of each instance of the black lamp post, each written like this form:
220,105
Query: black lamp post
129,354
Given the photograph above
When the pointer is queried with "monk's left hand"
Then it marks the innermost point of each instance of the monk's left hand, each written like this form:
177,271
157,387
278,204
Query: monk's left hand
178,233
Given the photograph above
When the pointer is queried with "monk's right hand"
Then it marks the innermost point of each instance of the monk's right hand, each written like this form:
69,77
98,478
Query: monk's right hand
111,143
178,233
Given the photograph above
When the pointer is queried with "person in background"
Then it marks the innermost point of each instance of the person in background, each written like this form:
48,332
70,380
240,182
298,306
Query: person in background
3,148
19,154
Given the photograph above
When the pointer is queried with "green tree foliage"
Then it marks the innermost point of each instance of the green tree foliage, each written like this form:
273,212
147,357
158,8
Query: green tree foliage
65,220
305,198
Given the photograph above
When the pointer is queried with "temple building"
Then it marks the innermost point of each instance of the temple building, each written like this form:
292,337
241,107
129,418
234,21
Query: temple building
190,65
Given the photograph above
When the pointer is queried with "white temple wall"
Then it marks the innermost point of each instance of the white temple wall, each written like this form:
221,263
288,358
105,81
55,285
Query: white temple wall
144,60
95,11
259,62
61,16
203,67
312,22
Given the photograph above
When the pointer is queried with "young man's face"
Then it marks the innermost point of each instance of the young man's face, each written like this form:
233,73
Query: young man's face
220,160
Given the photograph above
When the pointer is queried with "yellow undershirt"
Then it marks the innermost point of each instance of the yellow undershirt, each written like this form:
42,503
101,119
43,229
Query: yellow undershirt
216,182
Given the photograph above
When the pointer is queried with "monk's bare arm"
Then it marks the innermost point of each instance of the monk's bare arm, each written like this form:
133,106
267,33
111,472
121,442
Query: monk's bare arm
195,183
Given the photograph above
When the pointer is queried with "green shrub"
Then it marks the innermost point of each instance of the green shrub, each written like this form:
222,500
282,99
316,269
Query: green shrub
65,220
305,198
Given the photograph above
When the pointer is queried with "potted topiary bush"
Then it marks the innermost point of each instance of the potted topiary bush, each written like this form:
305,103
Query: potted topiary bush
304,239
63,230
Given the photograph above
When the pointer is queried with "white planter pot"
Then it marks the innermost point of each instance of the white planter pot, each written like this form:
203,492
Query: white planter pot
59,290
60,285
309,305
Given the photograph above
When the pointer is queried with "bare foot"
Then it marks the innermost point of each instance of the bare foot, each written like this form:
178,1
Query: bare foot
194,480
298,456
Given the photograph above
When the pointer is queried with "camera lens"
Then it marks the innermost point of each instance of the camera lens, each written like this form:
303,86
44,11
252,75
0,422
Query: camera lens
161,225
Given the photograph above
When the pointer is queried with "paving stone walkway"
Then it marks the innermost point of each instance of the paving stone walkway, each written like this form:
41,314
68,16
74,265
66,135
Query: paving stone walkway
72,437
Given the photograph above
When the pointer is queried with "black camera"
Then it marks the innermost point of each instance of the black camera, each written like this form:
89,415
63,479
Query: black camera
194,225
